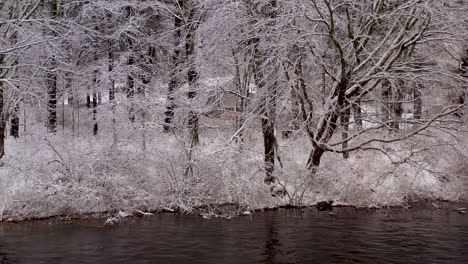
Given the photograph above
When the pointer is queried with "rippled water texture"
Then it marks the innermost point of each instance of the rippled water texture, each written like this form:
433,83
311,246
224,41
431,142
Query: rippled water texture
286,236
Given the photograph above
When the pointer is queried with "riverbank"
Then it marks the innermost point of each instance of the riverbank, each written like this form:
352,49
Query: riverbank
229,211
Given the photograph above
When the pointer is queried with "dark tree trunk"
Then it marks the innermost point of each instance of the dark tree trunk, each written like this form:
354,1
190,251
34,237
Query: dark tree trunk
345,126
324,87
71,96
111,78
52,80
314,160
95,122
3,115
392,109
130,77
2,139
268,103
15,121
88,99
327,125
269,143
74,104
417,107
52,101
131,91
193,122
174,73
96,95
397,109
386,106
324,133
268,115
397,113
192,74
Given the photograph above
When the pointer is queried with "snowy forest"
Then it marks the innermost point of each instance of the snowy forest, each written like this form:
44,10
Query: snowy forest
140,105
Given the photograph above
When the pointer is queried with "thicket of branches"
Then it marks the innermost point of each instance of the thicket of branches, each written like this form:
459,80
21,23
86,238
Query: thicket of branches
334,76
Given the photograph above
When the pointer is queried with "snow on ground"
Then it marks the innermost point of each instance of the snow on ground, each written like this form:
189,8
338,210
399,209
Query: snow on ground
46,175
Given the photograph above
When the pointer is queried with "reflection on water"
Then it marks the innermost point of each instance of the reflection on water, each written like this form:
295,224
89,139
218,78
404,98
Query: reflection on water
272,247
290,236
272,244
4,256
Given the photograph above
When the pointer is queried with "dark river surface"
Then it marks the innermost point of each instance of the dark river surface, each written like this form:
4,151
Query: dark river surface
418,235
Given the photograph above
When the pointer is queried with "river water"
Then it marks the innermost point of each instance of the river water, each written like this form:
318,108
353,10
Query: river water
419,235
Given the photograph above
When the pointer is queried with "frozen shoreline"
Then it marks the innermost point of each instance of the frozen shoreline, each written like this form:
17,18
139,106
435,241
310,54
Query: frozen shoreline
101,219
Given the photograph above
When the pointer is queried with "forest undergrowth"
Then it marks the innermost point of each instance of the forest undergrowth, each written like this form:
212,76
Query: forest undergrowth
45,176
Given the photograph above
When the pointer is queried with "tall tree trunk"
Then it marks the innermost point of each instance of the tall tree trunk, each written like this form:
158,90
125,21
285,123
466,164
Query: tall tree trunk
327,124
417,106
24,120
268,115
130,77
95,122
326,128
314,160
269,140
112,92
77,118
2,139
192,74
174,73
386,105
73,105
69,90
95,96
268,103
324,87
52,101
15,121
3,113
131,91
193,115
52,80
397,108
141,96
88,99
63,111
345,126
